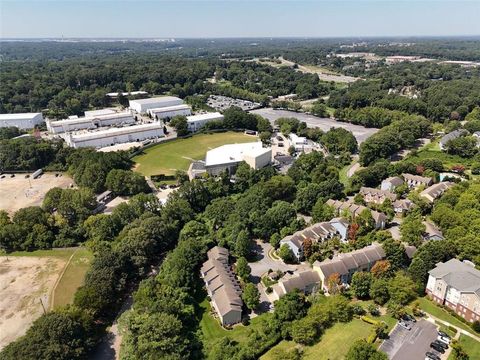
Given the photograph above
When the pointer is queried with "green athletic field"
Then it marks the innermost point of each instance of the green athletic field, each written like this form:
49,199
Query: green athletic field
166,158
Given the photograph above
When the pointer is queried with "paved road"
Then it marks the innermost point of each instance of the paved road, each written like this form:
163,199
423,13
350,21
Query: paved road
411,344
361,133
265,262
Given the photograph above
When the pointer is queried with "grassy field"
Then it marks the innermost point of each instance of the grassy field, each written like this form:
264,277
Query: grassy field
429,307
73,275
72,278
212,331
432,150
168,157
470,346
333,344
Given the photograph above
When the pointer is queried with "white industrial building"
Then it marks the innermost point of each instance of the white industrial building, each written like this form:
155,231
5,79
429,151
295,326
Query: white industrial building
21,120
90,113
196,122
298,142
170,111
227,157
143,105
112,136
93,122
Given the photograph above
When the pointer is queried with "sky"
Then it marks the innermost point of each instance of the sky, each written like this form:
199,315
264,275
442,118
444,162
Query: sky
237,18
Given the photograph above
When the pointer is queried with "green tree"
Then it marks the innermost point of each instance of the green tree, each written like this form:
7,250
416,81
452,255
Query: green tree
243,245
251,296
322,212
180,124
362,350
379,291
304,331
243,269
286,254
360,284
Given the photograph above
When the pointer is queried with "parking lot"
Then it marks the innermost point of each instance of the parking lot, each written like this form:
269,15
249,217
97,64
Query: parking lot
18,192
411,344
220,103
361,133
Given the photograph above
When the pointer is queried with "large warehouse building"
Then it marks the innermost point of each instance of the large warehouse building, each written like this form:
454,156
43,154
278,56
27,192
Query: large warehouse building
143,105
196,122
74,124
170,111
21,120
112,136
227,157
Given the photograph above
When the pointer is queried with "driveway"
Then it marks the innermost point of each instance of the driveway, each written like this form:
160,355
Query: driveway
265,262
404,344
361,133
260,267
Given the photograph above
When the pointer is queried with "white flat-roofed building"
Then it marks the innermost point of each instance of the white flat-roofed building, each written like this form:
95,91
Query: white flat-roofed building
196,122
170,111
298,142
91,113
132,93
112,136
21,120
227,157
143,105
74,124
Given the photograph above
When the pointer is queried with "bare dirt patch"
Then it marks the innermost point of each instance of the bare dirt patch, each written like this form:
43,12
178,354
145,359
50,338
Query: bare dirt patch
23,282
18,192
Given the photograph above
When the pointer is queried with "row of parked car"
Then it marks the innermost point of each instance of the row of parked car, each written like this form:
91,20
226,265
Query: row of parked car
440,345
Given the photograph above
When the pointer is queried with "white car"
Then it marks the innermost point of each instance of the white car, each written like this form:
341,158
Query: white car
444,340
405,325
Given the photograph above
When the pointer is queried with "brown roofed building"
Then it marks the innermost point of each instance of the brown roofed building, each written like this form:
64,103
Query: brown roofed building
306,280
376,196
355,210
435,191
347,264
222,286
414,181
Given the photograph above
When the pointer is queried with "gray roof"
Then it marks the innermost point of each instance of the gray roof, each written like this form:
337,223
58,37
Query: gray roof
221,282
300,280
376,192
453,135
417,178
394,180
437,190
347,262
459,275
355,210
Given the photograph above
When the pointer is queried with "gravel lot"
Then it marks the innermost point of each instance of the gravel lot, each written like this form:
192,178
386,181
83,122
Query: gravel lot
361,133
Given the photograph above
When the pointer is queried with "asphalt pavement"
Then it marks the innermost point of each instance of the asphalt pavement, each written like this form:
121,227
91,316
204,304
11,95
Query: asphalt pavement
361,133
411,344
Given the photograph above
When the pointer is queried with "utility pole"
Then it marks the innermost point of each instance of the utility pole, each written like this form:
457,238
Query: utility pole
43,307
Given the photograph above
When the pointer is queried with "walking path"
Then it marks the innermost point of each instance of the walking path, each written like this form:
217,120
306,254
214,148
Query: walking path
459,329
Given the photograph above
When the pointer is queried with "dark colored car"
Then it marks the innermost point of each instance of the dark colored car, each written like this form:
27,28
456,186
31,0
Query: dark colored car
442,344
280,144
437,346
408,317
279,138
432,356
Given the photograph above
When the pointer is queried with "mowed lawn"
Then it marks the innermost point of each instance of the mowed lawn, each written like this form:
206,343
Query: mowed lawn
470,346
430,307
73,273
213,331
72,278
333,344
175,155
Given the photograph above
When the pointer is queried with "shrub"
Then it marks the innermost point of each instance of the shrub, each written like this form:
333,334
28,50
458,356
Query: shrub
476,326
358,309
373,309
369,320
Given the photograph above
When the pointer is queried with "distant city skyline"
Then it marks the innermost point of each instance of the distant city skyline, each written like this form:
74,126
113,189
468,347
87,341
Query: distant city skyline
245,18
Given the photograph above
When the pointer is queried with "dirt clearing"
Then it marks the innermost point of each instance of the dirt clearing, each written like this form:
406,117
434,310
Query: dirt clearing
18,192
23,282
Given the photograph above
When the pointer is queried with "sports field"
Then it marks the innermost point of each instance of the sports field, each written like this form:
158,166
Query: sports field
33,281
168,157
